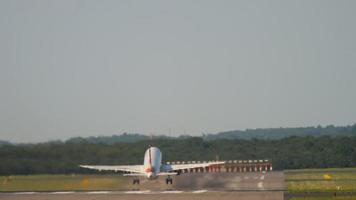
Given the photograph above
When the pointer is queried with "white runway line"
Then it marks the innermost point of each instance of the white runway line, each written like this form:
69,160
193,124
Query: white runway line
199,191
262,177
98,192
260,185
255,177
138,192
21,193
63,192
172,192
246,177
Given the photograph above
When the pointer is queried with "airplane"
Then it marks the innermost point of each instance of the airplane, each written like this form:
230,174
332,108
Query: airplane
152,167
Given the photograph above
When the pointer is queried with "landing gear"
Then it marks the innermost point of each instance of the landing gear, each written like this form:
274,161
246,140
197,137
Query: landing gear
169,180
136,181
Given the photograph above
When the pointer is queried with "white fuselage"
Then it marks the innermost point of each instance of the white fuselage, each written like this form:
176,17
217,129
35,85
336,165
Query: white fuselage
152,162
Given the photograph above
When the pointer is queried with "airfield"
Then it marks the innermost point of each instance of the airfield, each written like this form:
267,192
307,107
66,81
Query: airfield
252,185
312,184
148,196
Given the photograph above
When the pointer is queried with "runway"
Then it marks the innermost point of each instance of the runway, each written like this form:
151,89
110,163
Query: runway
251,181
253,185
252,195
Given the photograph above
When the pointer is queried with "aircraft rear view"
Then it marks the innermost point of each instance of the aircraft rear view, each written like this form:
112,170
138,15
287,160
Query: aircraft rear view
152,162
152,167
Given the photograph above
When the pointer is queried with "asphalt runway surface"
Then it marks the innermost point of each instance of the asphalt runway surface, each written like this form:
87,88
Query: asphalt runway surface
265,195
251,186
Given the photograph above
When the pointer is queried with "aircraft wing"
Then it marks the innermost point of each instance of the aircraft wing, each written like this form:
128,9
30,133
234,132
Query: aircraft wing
123,168
177,167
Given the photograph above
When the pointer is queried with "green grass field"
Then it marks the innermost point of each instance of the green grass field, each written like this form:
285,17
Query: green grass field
325,198
63,183
321,180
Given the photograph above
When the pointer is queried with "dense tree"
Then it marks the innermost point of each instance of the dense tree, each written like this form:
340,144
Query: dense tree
287,153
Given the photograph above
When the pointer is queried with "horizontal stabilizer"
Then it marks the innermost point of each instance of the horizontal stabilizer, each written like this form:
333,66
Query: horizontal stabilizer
123,168
177,167
134,174
167,174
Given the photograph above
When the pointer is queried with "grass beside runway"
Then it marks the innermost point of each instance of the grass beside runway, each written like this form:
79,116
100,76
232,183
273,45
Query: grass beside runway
63,183
331,184
325,198
321,180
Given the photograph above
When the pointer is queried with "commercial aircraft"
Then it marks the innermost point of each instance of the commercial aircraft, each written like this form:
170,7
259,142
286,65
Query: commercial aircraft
152,167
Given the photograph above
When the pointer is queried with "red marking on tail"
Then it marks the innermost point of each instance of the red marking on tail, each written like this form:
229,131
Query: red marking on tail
150,169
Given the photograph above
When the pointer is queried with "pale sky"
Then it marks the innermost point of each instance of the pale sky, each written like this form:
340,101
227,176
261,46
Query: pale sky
90,68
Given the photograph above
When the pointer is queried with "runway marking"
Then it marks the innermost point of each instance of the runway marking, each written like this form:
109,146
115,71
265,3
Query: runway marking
260,185
21,193
172,192
199,191
138,192
255,177
246,177
63,192
98,192
262,177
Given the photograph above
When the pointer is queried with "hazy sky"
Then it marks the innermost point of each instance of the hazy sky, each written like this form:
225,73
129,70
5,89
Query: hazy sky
89,68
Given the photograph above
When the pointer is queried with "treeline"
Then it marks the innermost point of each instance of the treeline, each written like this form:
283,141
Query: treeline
125,138
287,153
248,134
279,133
